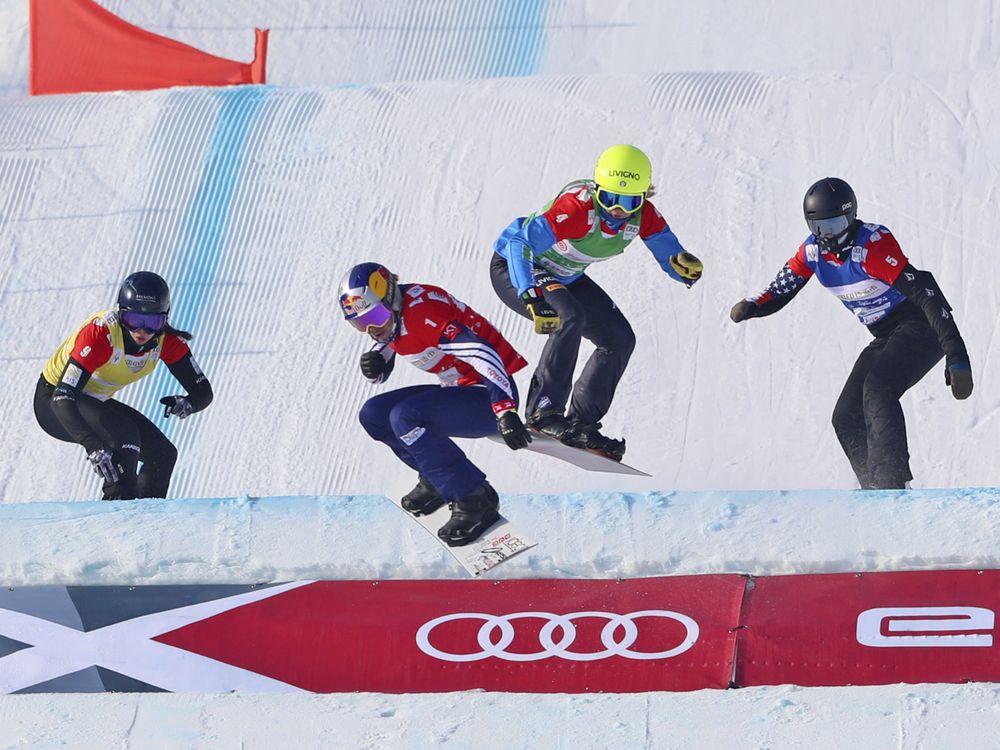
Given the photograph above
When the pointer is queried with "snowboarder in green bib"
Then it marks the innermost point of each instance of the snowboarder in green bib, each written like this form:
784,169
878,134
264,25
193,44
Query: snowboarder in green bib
539,270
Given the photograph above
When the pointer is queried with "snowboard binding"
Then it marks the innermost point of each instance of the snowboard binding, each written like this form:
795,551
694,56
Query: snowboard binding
423,499
586,435
471,516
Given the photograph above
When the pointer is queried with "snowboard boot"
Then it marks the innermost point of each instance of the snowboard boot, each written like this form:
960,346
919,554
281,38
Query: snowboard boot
423,499
471,516
586,435
549,422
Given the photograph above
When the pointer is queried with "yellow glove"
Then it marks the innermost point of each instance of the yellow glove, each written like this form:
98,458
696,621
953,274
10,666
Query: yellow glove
545,317
687,267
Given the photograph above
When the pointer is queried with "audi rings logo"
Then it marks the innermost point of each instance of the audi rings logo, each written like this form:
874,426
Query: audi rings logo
617,636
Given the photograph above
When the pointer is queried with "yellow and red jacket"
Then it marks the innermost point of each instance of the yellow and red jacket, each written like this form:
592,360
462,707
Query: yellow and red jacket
99,347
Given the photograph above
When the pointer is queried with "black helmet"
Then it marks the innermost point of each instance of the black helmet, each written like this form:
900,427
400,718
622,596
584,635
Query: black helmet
830,209
144,292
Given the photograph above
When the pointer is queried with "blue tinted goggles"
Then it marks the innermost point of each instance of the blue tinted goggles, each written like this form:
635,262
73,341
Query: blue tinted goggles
628,203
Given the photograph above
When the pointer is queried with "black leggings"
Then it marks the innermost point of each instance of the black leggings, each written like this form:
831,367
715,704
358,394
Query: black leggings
131,437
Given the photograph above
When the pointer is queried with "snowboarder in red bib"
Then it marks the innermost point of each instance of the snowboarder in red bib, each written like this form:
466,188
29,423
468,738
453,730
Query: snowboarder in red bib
441,335
539,270
116,347
903,308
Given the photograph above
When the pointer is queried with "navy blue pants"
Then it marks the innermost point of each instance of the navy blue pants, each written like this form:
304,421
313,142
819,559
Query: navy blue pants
418,422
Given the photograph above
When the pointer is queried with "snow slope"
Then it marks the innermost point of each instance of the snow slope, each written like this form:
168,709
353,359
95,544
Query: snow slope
234,195
459,117
344,41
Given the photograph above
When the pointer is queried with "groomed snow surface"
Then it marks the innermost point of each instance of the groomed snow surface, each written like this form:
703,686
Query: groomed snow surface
458,117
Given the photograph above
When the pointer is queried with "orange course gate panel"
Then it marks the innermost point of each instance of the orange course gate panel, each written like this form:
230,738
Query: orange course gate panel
77,46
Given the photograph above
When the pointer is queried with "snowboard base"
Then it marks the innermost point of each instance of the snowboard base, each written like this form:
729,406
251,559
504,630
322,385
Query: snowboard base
498,543
585,459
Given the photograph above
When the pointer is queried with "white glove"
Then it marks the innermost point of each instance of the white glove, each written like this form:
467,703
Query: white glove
178,406
104,466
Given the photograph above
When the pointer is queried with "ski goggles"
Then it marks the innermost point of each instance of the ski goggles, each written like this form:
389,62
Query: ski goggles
374,317
149,322
832,227
628,203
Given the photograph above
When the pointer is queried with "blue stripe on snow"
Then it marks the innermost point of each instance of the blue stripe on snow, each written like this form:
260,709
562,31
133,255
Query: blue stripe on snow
519,48
206,224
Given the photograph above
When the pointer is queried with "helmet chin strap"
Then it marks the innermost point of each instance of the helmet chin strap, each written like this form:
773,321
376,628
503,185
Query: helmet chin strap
397,322
397,318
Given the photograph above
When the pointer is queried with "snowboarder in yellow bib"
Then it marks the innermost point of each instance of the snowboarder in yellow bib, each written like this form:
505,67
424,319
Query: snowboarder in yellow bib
74,398
539,270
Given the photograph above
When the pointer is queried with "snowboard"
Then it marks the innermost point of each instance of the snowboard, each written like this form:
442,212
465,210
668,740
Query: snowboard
499,542
585,459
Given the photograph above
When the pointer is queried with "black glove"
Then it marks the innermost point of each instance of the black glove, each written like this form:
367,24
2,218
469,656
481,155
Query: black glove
177,406
742,310
513,431
104,465
545,317
958,374
372,365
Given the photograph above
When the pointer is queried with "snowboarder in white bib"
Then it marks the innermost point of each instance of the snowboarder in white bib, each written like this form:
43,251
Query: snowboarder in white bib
539,270
903,308
475,396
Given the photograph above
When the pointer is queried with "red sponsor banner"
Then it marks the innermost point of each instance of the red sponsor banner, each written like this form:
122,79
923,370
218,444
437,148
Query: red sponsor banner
871,629
662,634
76,45
543,636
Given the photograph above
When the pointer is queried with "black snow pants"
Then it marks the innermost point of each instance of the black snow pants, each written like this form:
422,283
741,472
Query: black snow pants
585,311
131,437
868,417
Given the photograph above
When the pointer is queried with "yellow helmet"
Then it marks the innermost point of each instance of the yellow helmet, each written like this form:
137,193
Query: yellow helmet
623,169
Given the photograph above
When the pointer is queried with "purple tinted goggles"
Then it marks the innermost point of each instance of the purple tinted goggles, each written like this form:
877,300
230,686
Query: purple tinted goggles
375,317
151,322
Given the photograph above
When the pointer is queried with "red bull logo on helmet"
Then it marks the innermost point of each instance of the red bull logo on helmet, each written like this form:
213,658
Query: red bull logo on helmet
354,304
